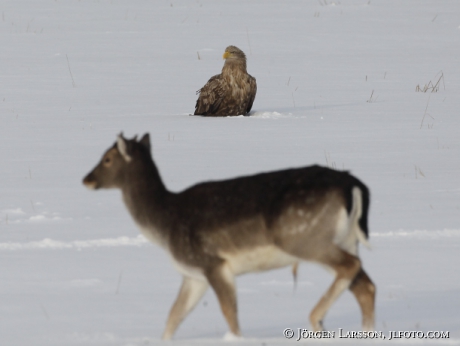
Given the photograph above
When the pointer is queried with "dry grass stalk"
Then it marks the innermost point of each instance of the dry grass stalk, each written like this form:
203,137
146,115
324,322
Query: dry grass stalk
430,86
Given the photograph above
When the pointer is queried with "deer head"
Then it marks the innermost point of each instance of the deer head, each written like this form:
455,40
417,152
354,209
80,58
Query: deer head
117,161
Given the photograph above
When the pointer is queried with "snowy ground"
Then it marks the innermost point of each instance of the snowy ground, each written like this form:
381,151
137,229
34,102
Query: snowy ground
336,86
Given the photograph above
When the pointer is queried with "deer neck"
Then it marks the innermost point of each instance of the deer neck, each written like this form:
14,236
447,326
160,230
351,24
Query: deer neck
146,198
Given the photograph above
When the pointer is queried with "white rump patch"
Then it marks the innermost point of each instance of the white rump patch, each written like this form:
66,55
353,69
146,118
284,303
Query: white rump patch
345,237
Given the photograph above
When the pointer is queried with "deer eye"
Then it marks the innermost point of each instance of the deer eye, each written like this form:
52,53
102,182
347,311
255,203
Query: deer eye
107,160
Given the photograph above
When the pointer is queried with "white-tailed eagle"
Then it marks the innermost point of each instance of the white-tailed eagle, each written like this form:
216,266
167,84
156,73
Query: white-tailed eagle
230,93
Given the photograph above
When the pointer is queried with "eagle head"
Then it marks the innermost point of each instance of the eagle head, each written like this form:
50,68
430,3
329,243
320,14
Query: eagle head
232,52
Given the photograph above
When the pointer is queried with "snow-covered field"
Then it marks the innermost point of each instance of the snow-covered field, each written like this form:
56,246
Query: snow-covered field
336,86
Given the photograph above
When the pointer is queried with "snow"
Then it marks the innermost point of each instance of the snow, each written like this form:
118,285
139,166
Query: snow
336,86
77,244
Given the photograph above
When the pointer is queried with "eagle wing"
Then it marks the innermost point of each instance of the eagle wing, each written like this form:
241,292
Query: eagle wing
211,96
252,92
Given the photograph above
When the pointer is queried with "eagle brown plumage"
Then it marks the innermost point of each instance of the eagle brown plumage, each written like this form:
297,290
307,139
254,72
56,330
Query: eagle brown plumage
230,93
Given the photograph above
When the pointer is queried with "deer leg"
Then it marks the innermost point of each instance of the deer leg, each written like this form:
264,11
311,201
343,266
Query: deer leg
222,281
346,267
190,293
364,291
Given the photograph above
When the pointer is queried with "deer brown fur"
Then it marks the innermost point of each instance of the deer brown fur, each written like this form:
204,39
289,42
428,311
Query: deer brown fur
217,230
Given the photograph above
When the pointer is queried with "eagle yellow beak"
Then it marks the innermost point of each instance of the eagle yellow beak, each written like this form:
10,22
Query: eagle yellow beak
226,55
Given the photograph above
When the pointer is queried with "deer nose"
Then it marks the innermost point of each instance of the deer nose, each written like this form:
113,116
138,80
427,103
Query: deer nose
90,182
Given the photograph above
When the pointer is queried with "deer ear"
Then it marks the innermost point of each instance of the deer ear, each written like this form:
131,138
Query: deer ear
145,141
122,147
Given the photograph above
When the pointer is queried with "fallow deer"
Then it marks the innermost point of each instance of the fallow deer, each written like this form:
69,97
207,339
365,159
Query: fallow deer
217,230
